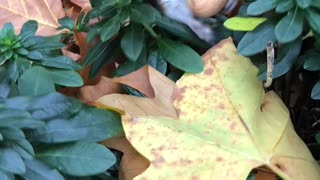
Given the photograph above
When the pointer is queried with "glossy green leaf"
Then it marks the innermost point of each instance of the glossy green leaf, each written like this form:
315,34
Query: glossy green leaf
10,161
132,42
316,4
156,61
53,105
130,66
78,159
313,18
110,51
289,27
311,61
315,94
35,81
304,3
109,29
20,119
255,41
66,23
143,14
259,7
28,29
285,6
17,140
180,56
64,77
62,62
180,30
37,170
243,23
89,125
97,53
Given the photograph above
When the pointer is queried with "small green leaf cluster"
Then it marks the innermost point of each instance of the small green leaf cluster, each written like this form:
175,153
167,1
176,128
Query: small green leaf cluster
290,24
137,32
35,63
52,136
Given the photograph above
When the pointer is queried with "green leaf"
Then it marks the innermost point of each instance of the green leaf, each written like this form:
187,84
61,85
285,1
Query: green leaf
35,81
289,27
143,14
20,119
243,23
318,138
315,94
304,3
132,42
110,29
110,53
36,170
28,29
313,19
64,77
180,30
255,41
89,125
130,66
66,23
78,159
285,6
10,161
35,55
43,43
15,137
6,176
259,7
53,105
285,60
180,56
7,34
311,61
62,62
158,62
97,53
316,4
4,85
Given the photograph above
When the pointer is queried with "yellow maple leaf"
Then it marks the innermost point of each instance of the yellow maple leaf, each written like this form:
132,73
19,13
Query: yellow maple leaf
227,126
45,12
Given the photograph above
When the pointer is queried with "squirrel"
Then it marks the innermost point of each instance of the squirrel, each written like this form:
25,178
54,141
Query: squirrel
180,11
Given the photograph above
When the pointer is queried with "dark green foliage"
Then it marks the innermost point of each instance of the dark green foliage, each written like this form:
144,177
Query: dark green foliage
291,24
136,29
33,63
43,136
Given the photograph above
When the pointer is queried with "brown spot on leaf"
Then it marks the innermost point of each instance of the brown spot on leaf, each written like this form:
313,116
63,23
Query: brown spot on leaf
195,178
232,126
219,159
208,71
281,167
178,94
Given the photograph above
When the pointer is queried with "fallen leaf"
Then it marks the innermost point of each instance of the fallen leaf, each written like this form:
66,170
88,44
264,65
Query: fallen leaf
139,80
84,4
104,86
227,125
72,55
45,12
160,105
132,163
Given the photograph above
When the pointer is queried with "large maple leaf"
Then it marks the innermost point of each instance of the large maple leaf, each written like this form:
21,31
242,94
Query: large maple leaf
45,12
227,126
